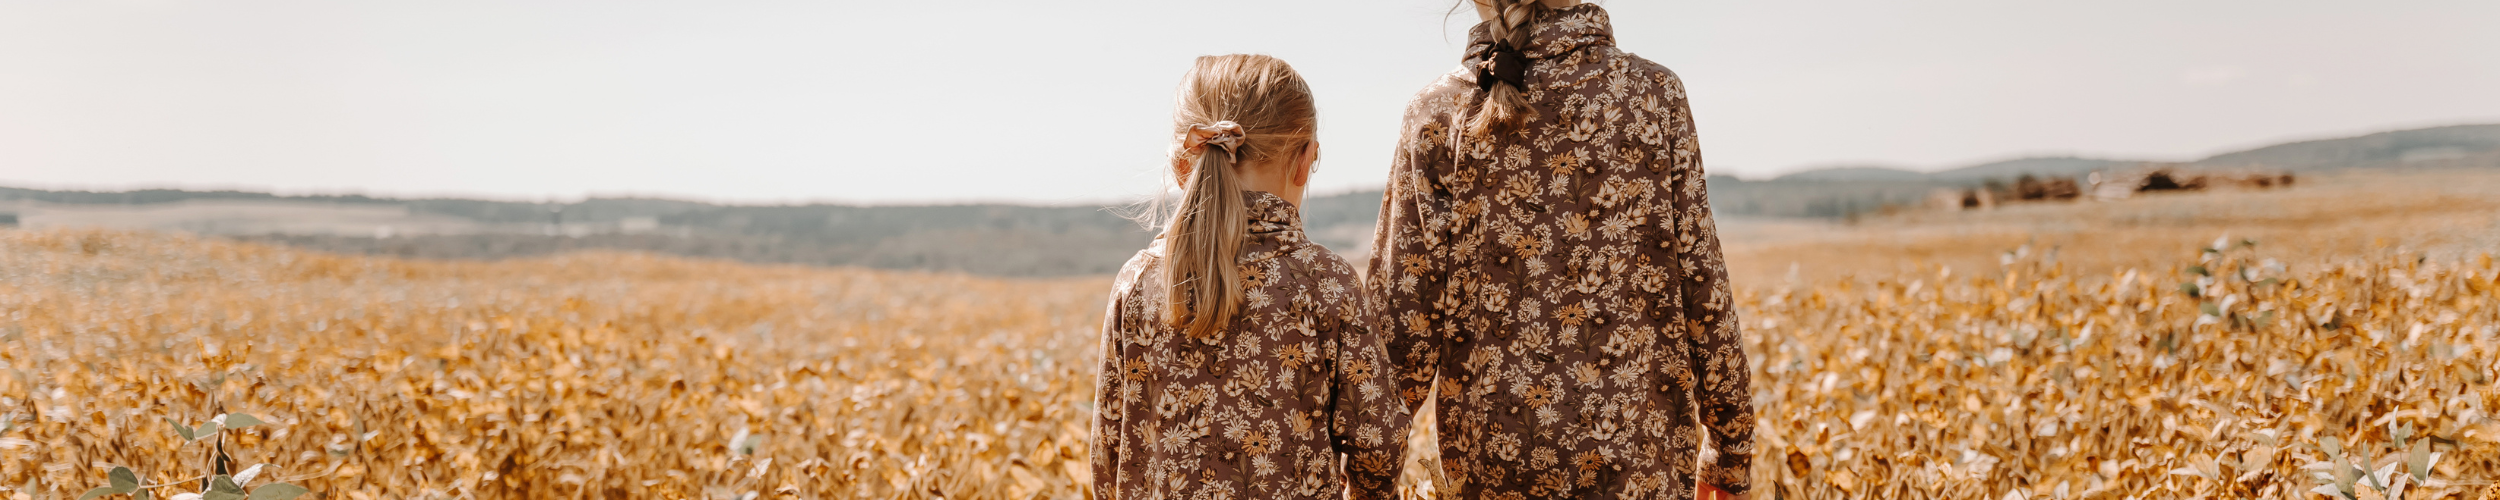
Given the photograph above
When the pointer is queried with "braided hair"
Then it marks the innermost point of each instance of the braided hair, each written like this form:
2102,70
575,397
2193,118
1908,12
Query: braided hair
1504,106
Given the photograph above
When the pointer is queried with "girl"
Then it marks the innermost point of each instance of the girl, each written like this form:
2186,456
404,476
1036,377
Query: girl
1547,262
1238,358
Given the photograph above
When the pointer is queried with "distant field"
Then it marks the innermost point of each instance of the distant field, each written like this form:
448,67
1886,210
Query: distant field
250,217
2447,214
2112,358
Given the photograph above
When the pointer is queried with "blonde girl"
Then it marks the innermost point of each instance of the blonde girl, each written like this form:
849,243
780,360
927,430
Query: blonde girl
1238,358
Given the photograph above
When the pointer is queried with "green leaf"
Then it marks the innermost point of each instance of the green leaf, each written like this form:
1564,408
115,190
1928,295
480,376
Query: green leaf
2199,271
98,492
124,481
224,483
2209,309
752,442
222,488
142,494
205,430
278,491
2189,289
2419,460
241,420
181,430
2345,474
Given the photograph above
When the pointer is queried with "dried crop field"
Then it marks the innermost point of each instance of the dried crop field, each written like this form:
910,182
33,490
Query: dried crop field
2155,371
2228,376
590,375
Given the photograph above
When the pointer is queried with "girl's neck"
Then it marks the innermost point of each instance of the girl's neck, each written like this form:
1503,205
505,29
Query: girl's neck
1280,185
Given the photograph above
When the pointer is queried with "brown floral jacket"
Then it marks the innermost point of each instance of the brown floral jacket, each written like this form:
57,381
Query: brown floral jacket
1262,410
1563,284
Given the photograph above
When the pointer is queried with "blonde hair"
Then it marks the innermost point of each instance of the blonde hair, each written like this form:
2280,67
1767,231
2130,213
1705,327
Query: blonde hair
1505,107
1202,244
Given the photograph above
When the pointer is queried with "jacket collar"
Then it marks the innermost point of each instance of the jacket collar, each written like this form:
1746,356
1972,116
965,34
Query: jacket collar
1559,33
1270,213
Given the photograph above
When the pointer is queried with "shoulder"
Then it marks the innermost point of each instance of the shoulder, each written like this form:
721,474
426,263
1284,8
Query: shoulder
1136,268
1430,115
1657,76
1304,264
1440,99
1327,264
1331,278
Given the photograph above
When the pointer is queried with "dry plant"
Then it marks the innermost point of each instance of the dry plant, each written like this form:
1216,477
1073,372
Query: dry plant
633,376
590,375
2231,376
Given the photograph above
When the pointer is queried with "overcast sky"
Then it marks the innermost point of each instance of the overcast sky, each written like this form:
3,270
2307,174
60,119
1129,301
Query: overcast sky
761,101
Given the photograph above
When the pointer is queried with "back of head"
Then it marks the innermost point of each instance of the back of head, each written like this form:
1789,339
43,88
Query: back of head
1266,113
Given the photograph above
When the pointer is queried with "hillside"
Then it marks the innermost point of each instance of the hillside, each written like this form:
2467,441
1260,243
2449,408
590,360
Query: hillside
2062,166
2459,146
2476,146
1853,174
1026,240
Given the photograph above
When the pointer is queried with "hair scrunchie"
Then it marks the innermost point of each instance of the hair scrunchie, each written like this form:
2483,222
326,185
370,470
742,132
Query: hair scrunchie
1224,135
1501,63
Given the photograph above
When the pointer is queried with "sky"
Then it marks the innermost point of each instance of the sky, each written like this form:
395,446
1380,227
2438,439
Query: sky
789,101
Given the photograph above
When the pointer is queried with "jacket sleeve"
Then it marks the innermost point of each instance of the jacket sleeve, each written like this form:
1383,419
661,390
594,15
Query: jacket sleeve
1407,273
1724,396
1369,422
1109,384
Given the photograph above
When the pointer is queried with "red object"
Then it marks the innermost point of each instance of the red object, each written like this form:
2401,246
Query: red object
1704,491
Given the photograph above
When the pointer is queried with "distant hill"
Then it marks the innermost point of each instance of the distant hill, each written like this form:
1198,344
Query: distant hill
1847,191
2054,166
2064,166
1853,174
1844,191
1026,240
2454,146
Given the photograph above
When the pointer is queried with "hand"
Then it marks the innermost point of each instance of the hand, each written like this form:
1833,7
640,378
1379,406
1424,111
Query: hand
1706,491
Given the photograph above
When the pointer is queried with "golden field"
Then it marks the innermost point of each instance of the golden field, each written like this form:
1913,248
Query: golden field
590,375
2066,351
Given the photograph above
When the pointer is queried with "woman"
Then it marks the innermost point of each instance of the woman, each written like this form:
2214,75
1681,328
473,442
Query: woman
1547,261
1239,359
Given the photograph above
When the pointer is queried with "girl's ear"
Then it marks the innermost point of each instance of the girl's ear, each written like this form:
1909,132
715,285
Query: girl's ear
1303,163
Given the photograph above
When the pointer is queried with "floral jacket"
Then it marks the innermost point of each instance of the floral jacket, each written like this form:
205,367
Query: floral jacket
1262,410
1561,286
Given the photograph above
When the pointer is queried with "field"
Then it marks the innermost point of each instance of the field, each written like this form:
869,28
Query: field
2072,351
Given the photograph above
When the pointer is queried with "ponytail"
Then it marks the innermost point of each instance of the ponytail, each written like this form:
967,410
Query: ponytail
1203,248
1504,106
1234,112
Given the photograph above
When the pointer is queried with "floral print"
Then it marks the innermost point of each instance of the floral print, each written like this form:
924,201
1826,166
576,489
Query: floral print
1561,288
1263,409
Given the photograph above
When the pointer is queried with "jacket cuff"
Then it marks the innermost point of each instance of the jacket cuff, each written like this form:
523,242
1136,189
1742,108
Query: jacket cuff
1729,472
